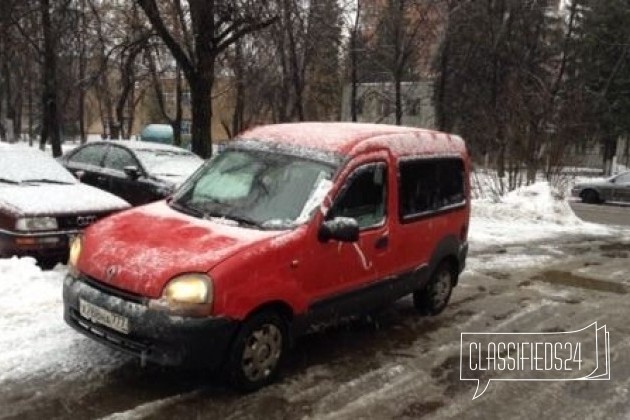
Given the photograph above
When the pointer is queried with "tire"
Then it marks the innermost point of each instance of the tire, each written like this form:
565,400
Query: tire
434,298
47,263
590,197
257,352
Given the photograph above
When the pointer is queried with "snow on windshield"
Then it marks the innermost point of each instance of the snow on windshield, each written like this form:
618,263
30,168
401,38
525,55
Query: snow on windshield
21,164
168,162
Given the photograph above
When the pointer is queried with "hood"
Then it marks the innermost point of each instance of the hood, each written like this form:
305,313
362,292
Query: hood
149,245
54,199
175,172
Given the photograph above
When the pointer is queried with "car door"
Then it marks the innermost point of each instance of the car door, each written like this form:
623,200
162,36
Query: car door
133,189
338,274
622,188
86,163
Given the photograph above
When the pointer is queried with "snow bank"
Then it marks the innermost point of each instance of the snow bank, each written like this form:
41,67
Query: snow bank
531,213
537,202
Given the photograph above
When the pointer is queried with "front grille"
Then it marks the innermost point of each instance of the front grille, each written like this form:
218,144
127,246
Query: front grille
77,221
114,291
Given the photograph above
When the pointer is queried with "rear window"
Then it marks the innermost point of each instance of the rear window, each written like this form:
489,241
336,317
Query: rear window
430,185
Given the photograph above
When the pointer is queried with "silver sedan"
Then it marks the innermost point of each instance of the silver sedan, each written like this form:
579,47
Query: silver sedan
616,188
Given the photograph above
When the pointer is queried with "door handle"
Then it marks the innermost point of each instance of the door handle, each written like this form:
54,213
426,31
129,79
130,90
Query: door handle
382,242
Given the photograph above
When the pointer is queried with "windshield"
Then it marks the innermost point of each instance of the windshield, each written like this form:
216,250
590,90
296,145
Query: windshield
169,163
23,165
273,191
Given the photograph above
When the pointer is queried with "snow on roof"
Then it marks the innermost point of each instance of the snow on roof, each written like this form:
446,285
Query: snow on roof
20,163
145,145
345,137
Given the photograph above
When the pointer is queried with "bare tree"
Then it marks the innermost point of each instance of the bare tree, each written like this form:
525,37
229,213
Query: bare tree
209,28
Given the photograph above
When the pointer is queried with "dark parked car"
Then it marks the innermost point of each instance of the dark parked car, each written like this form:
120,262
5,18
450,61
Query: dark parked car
139,172
42,205
616,188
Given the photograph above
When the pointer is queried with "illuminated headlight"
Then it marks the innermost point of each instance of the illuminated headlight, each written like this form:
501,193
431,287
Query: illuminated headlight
189,289
186,295
30,224
75,251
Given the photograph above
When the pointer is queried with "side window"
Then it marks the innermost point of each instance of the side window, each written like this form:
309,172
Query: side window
89,155
364,197
430,185
117,158
623,179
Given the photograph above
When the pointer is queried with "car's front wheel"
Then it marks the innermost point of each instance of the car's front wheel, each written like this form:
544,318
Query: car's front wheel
590,197
257,351
433,299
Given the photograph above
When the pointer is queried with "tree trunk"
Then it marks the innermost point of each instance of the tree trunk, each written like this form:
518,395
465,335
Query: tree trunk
50,126
179,111
201,91
398,101
237,116
610,150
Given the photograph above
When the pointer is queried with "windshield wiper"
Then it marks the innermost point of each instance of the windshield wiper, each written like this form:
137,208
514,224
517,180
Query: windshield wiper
185,209
46,181
244,220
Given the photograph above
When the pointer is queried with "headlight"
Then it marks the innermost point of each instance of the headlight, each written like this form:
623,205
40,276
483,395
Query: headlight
29,224
75,251
189,289
186,295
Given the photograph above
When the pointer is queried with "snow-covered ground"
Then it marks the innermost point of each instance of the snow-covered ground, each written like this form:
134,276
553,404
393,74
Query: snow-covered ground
36,343
531,213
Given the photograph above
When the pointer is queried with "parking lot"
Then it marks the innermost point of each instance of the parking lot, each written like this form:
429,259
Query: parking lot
392,365
610,214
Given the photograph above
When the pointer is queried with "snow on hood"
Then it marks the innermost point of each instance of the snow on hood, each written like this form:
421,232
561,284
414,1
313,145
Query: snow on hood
150,245
53,199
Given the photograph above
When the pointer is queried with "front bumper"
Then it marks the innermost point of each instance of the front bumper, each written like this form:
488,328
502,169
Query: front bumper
153,335
39,245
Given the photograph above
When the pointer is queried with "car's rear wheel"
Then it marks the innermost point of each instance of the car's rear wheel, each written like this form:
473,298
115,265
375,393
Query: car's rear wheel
590,197
257,351
434,298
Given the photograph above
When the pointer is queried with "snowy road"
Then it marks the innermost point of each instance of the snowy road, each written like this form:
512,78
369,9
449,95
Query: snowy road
533,267
608,214
396,365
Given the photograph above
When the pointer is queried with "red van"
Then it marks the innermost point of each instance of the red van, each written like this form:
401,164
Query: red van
292,224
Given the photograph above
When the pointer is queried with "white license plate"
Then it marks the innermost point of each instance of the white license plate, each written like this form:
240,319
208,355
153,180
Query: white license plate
104,317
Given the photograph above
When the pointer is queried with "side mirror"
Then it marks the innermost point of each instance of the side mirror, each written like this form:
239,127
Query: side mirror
132,172
342,229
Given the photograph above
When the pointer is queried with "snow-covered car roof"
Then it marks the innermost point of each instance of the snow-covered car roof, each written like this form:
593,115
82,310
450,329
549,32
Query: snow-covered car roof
351,138
22,163
145,145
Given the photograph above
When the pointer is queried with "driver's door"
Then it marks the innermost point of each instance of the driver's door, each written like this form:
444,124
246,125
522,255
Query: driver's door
334,271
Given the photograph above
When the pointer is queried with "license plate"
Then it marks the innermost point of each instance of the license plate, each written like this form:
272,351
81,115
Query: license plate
104,317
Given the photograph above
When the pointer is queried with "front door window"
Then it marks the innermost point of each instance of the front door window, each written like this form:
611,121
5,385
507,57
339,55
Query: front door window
364,197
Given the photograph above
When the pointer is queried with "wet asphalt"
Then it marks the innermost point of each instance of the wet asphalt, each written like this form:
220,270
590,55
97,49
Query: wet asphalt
394,364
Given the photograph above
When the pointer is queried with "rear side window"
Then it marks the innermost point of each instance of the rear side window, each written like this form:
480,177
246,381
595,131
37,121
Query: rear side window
430,185
117,158
89,155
